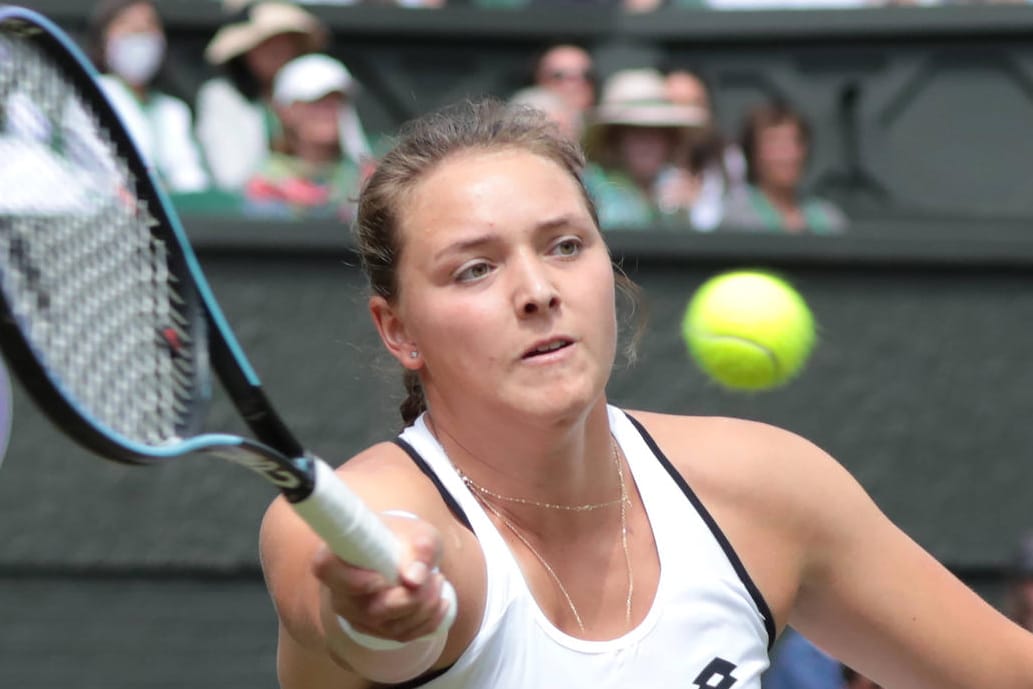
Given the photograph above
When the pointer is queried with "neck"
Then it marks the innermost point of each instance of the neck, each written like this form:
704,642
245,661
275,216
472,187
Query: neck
781,197
316,153
568,463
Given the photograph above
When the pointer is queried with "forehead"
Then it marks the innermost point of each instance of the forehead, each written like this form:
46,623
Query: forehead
136,14
779,130
489,191
565,56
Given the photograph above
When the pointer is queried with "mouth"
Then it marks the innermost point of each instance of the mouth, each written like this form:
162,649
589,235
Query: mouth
548,347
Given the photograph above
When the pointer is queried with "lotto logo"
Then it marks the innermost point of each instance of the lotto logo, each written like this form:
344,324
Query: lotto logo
716,675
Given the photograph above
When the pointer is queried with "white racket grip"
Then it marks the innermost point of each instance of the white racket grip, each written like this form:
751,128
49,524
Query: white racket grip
356,534
352,530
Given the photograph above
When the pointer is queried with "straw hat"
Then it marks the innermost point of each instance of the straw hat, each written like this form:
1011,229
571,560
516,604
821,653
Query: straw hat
638,98
261,21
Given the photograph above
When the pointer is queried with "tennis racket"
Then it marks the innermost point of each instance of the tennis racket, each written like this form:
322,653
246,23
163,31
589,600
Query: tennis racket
105,315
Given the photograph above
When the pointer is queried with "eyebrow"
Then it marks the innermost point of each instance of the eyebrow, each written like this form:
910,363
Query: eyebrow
490,237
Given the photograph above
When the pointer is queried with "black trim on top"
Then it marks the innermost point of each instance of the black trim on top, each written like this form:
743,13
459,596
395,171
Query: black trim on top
418,681
733,557
459,514
422,465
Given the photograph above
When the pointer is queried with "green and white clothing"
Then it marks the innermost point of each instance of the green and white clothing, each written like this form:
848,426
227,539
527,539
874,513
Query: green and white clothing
749,209
161,128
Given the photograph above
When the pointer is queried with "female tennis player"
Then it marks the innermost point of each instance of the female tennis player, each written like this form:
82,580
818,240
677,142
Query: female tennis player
589,546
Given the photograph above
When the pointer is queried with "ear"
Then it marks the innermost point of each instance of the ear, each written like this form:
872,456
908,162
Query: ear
393,333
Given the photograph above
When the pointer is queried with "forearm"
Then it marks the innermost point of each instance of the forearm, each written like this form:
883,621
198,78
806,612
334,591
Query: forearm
387,662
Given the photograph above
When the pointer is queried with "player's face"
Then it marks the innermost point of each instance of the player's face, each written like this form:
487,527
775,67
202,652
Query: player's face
506,287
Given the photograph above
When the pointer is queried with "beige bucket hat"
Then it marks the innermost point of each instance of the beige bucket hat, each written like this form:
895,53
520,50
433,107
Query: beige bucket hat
638,98
260,21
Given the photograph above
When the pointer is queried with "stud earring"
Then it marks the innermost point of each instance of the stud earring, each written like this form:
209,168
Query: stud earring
414,354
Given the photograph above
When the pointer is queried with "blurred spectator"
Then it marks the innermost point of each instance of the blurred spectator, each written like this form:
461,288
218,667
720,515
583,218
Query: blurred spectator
555,108
715,164
854,680
324,155
1020,603
127,41
626,5
789,4
776,141
567,70
796,663
236,121
632,141
412,4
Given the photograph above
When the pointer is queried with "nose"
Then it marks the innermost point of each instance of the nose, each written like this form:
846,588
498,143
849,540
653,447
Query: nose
535,292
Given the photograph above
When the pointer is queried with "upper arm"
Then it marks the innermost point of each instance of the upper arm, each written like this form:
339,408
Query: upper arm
829,562
871,596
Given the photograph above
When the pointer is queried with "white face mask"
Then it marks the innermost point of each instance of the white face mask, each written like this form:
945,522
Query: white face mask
136,57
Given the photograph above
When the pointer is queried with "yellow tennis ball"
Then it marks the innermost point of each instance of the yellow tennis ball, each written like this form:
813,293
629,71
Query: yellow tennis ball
748,330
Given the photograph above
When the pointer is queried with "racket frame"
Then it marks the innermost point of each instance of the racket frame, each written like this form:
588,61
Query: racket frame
278,455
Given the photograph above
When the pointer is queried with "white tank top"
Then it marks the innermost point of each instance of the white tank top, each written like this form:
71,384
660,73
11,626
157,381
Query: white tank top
708,626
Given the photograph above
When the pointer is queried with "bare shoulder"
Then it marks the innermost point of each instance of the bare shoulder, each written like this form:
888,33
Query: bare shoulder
730,455
386,478
766,488
827,560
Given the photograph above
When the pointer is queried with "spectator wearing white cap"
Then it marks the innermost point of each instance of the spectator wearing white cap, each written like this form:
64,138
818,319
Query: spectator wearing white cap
632,141
236,120
317,166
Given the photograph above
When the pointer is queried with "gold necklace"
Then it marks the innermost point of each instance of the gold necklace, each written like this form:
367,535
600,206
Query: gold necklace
481,494
587,507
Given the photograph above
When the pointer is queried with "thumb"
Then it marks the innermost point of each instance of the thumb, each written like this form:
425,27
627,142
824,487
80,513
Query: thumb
421,547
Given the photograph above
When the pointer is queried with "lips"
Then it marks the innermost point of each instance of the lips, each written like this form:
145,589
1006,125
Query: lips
548,347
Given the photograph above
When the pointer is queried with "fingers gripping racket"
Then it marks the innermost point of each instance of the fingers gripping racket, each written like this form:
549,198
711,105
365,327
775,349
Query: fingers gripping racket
105,315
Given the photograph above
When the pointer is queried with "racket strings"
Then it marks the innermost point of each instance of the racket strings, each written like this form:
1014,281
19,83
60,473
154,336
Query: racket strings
81,270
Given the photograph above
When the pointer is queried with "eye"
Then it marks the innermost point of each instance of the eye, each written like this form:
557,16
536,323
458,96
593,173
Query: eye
566,247
473,271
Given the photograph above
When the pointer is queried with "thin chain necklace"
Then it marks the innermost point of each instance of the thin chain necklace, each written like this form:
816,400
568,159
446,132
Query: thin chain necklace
587,507
483,493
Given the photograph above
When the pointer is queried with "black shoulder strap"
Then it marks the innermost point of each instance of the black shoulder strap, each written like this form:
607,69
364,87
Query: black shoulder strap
422,465
722,540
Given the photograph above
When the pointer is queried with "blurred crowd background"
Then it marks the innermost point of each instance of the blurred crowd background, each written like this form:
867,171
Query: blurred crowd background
271,122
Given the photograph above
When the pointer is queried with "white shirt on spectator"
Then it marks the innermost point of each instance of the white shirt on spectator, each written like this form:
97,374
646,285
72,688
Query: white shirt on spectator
161,129
233,133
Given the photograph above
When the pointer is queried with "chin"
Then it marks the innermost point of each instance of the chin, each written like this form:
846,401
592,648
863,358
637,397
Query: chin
561,401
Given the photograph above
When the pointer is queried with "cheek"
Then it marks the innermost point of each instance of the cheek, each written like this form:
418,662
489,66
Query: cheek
457,325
